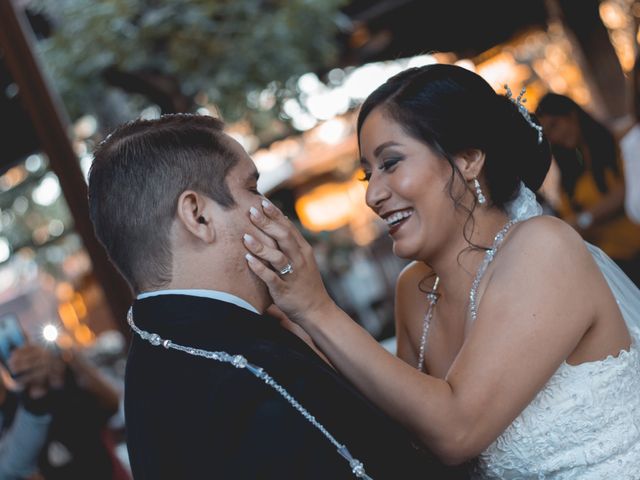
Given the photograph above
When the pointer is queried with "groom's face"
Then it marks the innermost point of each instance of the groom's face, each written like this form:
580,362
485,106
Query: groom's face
233,222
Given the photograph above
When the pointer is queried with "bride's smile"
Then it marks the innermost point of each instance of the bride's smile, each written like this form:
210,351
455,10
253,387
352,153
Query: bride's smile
407,187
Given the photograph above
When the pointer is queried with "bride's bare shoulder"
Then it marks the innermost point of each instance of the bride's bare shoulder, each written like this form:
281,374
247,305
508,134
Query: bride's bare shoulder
546,232
546,240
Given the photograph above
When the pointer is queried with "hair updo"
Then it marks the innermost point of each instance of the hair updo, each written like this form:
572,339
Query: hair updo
452,109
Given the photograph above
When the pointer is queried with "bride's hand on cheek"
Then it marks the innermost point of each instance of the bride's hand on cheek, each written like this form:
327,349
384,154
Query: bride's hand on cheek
299,293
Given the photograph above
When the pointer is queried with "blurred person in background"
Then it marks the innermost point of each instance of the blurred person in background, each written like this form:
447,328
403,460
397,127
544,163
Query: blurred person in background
79,444
24,414
592,180
630,150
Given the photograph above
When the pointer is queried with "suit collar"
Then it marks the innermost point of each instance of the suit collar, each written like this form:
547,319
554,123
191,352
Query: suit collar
200,322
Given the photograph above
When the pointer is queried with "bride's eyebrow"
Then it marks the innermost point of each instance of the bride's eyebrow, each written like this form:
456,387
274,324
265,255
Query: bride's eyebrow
380,148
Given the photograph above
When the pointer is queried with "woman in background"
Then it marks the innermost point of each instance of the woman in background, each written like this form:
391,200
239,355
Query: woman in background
630,149
592,180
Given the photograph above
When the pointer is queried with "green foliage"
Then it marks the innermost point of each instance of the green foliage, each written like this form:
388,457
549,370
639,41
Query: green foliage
227,49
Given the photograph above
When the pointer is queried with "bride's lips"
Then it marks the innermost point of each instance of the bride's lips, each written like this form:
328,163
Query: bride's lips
395,219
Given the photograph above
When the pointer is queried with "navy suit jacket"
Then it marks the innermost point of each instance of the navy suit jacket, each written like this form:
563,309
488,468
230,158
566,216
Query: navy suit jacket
192,418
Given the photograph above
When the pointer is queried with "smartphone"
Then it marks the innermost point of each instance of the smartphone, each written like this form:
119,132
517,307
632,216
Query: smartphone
11,337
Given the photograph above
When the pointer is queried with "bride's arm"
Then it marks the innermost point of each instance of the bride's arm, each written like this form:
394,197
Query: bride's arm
529,322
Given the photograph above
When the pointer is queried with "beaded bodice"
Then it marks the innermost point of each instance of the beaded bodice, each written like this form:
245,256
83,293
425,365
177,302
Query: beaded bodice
585,422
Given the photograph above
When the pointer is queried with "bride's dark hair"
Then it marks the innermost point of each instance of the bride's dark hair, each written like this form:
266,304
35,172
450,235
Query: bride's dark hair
452,109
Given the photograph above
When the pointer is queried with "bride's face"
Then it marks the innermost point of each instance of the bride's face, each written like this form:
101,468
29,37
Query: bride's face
408,188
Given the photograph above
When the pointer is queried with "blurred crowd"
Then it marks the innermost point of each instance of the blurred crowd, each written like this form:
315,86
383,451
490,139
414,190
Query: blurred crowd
60,415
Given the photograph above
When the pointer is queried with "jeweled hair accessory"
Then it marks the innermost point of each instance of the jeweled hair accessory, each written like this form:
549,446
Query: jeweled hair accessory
519,102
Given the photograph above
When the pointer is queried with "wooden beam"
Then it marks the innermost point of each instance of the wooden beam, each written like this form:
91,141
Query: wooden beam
52,126
599,58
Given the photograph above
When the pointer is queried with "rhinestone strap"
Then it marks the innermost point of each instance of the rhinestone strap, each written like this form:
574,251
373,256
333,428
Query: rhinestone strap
488,258
433,299
238,361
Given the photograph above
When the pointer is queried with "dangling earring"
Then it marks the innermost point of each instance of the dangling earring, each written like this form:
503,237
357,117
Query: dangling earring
481,198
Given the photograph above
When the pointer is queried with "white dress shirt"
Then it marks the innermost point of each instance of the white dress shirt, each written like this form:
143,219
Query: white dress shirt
213,294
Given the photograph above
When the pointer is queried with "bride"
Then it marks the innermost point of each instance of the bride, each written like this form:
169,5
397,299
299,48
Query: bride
517,342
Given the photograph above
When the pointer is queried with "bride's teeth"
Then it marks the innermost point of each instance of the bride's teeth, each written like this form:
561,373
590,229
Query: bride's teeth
396,217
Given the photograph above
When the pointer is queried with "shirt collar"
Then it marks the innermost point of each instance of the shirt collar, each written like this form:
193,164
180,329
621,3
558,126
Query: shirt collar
213,294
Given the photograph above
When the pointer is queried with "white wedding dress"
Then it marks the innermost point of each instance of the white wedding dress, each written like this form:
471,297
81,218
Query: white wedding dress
585,423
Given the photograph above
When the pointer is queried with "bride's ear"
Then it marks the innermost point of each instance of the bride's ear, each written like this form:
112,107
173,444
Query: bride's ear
195,214
470,163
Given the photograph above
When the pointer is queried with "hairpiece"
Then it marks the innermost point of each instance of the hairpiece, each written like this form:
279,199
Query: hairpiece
519,102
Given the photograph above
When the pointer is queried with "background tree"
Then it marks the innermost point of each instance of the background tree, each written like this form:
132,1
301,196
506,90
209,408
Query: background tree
240,55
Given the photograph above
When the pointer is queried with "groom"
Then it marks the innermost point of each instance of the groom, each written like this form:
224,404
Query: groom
169,200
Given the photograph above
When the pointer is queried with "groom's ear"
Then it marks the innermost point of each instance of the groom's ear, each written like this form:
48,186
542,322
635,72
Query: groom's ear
195,215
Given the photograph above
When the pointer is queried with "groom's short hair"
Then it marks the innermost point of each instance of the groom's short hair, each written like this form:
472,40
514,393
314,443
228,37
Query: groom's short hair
137,176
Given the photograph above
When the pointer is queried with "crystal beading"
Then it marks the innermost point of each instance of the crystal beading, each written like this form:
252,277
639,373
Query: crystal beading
519,102
488,258
479,195
238,361
432,297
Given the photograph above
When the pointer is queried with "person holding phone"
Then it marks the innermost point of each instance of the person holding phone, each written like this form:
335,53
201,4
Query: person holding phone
11,337
24,415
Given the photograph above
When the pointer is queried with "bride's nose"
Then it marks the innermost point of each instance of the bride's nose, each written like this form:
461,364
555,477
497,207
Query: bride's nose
377,193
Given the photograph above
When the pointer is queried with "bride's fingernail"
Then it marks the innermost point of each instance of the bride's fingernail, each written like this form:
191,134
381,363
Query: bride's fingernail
266,204
249,239
249,257
253,211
